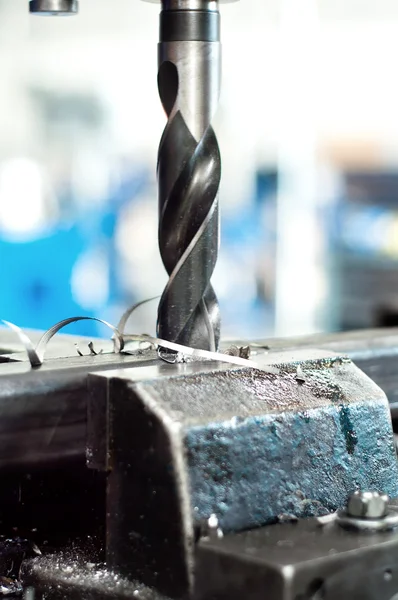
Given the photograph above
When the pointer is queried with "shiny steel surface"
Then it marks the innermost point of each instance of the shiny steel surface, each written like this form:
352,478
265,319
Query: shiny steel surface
189,170
190,5
54,7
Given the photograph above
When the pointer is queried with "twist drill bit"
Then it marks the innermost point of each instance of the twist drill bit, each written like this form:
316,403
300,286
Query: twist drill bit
189,170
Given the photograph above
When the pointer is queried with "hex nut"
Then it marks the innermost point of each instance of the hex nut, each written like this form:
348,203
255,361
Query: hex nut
367,505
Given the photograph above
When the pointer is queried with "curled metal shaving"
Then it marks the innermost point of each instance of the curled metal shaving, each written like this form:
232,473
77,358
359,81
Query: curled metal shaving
46,337
36,354
27,343
126,315
196,353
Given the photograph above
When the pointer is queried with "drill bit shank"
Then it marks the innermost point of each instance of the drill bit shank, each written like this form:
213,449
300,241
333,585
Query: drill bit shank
189,170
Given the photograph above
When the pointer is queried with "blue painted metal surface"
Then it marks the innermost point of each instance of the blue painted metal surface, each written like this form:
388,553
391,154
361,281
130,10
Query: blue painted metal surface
303,463
321,436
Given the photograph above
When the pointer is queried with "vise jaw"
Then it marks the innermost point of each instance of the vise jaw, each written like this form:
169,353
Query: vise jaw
184,442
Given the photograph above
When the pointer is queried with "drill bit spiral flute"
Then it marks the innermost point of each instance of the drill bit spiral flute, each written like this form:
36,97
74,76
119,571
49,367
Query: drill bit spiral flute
189,170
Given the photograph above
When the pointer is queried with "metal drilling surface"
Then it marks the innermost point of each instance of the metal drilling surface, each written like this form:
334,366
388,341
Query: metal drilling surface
189,171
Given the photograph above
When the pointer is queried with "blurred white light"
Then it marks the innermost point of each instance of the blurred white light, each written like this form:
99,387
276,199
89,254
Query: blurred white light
298,277
22,204
90,280
91,175
235,279
137,244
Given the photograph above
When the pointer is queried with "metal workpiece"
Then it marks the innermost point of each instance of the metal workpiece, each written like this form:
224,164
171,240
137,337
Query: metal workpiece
54,7
306,560
374,351
189,171
249,446
44,411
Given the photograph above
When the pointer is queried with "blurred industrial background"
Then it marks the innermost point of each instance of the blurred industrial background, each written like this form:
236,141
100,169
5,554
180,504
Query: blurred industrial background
308,131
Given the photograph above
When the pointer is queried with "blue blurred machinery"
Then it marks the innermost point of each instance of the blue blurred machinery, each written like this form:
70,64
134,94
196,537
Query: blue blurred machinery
36,273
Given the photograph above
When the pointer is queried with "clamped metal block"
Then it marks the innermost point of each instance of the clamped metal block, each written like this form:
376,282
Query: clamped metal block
183,442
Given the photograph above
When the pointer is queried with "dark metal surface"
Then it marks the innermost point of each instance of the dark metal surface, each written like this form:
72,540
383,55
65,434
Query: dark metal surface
187,441
189,171
192,25
44,411
302,561
76,575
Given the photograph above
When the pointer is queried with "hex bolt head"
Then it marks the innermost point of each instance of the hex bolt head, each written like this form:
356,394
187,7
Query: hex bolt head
367,505
210,528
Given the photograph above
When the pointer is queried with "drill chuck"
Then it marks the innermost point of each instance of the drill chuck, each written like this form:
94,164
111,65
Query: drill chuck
189,170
